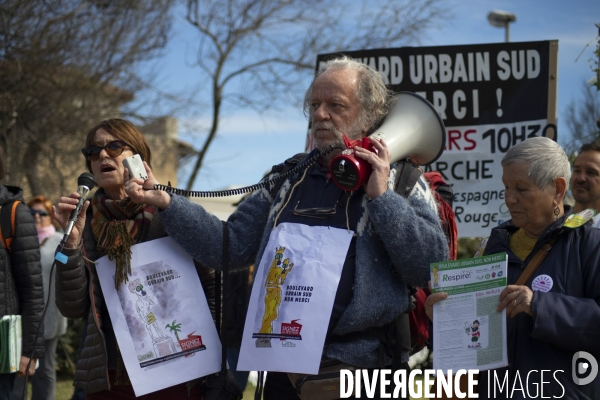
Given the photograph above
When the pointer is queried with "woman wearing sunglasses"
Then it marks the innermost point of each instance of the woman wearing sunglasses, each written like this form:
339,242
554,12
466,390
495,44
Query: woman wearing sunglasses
44,381
110,214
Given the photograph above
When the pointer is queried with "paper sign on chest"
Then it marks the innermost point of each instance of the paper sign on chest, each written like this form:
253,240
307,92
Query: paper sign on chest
292,298
160,317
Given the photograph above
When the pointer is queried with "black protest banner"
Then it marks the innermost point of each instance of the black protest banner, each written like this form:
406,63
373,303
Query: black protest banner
490,97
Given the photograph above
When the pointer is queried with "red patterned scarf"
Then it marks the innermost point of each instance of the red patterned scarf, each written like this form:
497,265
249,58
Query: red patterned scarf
117,225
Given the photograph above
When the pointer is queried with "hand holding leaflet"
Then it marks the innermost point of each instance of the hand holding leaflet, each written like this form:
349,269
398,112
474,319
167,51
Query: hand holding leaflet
469,333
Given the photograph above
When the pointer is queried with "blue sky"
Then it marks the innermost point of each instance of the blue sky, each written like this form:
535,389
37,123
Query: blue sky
249,144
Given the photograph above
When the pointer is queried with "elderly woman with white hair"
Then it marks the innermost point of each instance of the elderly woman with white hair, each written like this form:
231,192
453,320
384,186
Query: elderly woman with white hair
555,312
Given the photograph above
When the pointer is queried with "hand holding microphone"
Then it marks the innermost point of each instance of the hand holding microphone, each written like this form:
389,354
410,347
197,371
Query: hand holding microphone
74,206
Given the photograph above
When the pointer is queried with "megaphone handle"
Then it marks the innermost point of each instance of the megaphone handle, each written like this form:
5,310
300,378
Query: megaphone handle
366,143
349,143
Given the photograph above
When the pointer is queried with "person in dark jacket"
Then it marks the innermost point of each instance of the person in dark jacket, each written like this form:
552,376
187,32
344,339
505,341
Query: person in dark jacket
556,313
110,214
21,290
43,383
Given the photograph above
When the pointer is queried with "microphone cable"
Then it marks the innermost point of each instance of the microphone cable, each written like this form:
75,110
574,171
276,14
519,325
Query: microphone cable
248,189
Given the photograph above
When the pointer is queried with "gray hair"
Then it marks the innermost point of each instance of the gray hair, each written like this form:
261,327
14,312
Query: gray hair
372,94
546,159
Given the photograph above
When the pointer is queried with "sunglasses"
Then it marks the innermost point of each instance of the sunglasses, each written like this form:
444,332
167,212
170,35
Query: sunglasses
41,213
113,149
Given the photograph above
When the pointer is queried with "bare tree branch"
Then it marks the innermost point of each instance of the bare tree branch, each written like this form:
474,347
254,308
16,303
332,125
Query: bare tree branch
271,45
64,65
582,118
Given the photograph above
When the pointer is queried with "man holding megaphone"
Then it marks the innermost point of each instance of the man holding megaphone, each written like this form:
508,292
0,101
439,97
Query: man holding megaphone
375,241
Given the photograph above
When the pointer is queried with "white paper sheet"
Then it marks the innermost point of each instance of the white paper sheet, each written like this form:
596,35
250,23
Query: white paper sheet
468,332
160,317
292,298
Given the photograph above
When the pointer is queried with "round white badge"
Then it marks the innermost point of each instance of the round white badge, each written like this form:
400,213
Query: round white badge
543,283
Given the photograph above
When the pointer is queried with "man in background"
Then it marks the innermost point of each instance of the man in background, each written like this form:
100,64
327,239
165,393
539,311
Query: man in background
585,180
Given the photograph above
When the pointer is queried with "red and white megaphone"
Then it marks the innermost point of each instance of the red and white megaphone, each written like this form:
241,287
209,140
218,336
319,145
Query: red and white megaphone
412,129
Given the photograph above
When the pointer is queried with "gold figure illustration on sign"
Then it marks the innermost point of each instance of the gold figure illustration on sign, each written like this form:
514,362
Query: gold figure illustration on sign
275,278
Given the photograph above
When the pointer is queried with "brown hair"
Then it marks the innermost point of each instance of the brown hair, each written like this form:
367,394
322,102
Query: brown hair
122,130
41,199
593,146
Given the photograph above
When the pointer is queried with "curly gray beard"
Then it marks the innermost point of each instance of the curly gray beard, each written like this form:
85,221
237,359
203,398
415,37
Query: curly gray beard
353,132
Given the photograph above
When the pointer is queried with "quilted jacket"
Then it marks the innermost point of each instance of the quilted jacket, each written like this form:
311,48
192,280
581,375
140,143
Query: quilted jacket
21,290
78,294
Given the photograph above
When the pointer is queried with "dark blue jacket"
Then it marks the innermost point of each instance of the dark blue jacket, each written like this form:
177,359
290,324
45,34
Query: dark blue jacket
565,319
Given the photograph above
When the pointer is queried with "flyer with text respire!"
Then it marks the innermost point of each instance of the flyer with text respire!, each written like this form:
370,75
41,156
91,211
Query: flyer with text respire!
468,332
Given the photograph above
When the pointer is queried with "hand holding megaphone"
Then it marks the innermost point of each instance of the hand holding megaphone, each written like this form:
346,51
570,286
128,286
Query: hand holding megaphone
348,171
412,129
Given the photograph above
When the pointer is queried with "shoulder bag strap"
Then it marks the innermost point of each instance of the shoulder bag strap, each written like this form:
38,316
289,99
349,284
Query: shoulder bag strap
535,261
225,306
407,175
8,223
287,165
7,231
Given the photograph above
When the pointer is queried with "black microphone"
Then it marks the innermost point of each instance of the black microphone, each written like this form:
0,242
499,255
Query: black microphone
85,183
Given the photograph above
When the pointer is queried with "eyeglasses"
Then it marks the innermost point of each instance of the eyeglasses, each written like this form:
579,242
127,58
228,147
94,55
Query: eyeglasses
41,213
113,149
316,212
321,212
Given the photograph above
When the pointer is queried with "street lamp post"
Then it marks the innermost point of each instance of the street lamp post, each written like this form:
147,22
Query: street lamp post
502,19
